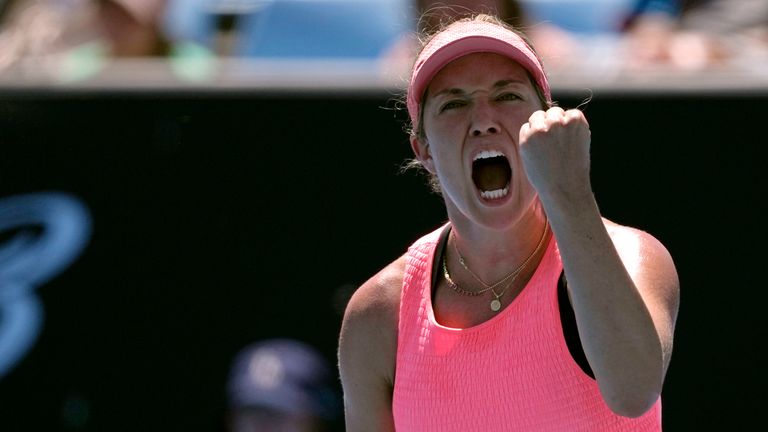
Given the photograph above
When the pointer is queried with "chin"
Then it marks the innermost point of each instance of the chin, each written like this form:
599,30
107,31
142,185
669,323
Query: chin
497,219
506,216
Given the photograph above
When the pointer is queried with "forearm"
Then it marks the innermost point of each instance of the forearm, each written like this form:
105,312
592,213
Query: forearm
616,328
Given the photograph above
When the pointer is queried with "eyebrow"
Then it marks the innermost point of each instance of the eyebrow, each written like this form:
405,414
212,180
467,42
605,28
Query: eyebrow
457,91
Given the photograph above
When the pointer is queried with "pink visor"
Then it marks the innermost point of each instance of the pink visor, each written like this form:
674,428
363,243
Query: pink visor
467,37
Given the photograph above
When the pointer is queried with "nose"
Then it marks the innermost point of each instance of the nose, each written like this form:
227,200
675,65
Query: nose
485,130
483,120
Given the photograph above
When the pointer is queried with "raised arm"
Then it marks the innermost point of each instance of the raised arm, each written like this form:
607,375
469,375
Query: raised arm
622,282
367,350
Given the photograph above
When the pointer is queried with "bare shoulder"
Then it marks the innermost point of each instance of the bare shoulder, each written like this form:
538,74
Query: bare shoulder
638,248
372,312
648,262
368,348
378,299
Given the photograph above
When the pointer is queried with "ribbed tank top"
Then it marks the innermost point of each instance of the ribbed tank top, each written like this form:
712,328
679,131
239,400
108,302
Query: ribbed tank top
511,373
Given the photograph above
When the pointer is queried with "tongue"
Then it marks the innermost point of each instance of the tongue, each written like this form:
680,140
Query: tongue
491,174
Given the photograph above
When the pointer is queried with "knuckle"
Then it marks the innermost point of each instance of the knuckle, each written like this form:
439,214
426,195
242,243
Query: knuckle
574,113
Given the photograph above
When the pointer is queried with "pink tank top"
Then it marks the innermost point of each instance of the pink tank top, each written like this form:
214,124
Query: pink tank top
511,373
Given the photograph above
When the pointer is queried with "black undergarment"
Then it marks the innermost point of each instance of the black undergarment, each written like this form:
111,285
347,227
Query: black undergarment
567,316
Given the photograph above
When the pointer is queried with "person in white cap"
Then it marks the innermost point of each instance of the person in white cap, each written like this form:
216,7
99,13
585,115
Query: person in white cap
527,310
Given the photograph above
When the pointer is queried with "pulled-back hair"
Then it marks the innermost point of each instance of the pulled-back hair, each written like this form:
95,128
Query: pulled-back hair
424,39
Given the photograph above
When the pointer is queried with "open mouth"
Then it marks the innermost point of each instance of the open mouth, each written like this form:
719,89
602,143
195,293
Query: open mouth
491,173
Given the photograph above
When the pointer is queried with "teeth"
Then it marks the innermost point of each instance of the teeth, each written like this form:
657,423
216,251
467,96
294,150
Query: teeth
485,154
495,194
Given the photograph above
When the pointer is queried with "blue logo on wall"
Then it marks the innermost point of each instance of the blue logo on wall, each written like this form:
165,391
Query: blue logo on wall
49,231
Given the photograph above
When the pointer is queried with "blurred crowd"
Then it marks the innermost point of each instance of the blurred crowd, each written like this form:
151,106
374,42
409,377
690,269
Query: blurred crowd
683,34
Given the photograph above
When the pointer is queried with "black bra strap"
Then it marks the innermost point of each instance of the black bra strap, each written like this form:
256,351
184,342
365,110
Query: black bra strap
570,331
437,263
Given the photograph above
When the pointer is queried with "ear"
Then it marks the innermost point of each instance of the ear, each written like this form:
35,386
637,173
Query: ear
421,151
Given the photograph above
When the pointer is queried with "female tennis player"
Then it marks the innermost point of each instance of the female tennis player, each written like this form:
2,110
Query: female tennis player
527,310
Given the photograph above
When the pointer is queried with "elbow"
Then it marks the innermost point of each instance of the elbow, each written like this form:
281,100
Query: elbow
632,406
632,399
631,392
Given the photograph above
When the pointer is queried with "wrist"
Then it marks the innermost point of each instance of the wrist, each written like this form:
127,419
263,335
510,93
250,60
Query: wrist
572,199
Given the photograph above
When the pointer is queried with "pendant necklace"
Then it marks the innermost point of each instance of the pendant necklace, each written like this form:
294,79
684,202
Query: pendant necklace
495,304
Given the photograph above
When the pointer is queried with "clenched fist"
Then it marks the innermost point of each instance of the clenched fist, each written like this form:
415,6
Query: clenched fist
554,146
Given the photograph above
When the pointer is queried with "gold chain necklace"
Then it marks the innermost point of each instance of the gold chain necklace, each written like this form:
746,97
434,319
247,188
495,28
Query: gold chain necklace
477,278
496,302
455,287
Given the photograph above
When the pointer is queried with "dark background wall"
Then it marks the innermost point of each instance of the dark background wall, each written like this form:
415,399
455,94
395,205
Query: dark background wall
221,219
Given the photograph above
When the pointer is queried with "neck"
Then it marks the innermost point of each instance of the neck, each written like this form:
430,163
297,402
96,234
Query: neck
491,253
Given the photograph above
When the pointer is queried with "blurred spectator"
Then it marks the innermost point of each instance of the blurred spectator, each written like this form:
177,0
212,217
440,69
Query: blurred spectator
649,30
131,27
79,32
726,16
567,30
716,32
39,28
288,28
594,16
281,385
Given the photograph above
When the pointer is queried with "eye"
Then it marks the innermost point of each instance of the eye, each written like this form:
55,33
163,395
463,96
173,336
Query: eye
456,103
507,97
